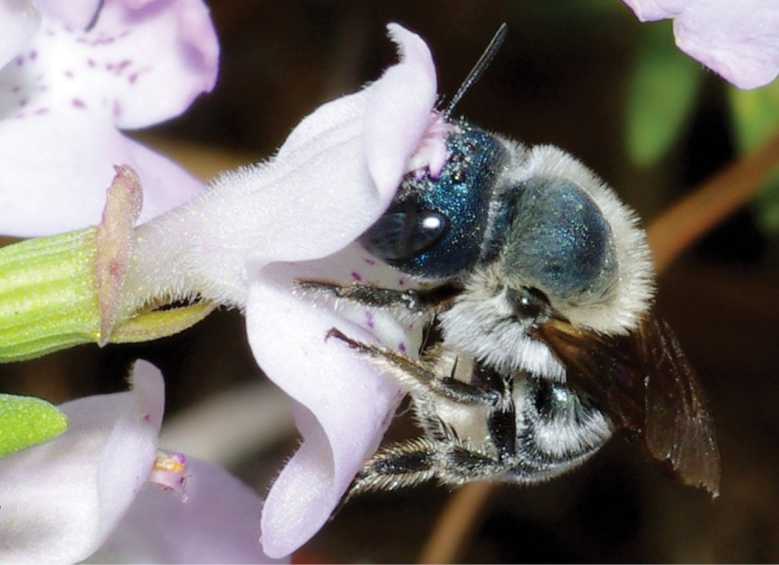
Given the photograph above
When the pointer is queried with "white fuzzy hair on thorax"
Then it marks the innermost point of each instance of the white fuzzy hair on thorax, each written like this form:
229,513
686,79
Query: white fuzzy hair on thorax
481,324
621,308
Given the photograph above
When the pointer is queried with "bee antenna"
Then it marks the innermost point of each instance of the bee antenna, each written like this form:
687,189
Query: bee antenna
478,69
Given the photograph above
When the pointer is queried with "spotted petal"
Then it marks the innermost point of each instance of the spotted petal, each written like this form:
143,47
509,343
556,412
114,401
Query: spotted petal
63,96
61,500
135,67
345,404
19,20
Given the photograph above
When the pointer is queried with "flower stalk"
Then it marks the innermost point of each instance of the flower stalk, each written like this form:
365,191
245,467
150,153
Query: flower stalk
47,295
61,291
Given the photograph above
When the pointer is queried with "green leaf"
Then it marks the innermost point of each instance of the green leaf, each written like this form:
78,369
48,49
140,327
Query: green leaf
661,97
767,205
755,114
755,118
26,421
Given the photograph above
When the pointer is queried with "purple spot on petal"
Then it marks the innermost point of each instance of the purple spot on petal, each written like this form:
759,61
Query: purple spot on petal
23,102
369,260
33,55
91,62
117,109
69,74
147,418
132,78
402,347
16,89
109,66
78,103
401,282
122,65
356,276
369,320
19,61
41,111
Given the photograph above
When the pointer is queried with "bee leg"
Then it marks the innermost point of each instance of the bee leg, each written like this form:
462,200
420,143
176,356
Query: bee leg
404,464
502,427
502,420
414,300
463,464
415,376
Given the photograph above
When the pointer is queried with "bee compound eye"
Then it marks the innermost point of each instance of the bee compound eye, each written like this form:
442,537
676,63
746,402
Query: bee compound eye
403,234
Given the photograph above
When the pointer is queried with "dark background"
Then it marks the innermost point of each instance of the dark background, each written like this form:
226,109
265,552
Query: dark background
561,78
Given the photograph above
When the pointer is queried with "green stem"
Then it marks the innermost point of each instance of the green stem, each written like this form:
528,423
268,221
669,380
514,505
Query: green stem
48,299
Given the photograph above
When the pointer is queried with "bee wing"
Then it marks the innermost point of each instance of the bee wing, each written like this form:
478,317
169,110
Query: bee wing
645,384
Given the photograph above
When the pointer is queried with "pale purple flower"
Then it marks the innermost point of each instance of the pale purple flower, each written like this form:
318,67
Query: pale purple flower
737,39
246,240
66,92
93,489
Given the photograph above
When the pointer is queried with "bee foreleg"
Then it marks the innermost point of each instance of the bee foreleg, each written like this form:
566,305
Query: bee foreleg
416,377
418,301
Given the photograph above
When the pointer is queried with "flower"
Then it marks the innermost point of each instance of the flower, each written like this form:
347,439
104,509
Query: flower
738,40
244,242
72,74
247,239
93,489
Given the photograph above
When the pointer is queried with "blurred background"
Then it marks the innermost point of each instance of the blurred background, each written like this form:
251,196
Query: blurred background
585,76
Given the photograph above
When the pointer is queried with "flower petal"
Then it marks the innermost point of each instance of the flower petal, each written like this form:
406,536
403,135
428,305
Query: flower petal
62,499
55,169
134,68
737,40
399,110
651,10
313,199
218,523
77,14
348,404
18,23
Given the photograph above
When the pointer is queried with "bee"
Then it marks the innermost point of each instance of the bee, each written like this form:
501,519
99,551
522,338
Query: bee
537,286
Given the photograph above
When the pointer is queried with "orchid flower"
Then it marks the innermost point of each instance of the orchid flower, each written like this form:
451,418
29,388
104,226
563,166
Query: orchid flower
246,240
103,490
72,75
738,40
